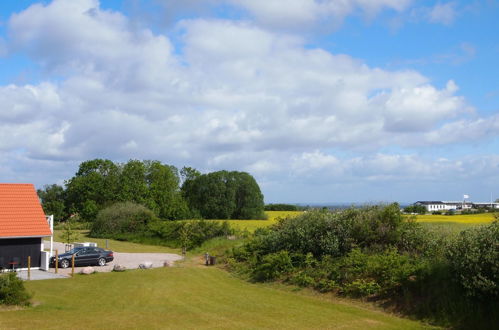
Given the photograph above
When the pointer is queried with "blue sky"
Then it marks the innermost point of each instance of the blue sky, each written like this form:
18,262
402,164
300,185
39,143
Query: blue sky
365,101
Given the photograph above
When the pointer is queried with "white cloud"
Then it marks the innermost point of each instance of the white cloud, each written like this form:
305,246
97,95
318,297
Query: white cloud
443,13
235,96
306,13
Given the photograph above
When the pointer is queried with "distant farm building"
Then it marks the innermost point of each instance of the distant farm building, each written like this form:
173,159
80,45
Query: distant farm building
432,206
23,225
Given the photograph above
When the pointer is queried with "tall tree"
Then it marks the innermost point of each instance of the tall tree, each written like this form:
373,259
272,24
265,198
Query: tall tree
52,197
165,198
132,183
224,195
93,187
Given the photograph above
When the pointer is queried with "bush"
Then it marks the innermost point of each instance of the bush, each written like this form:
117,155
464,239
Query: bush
188,234
281,207
420,209
272,266
12,291
316,232
474,258
122,218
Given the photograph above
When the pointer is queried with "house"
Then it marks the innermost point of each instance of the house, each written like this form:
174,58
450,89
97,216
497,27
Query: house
432,206
23,225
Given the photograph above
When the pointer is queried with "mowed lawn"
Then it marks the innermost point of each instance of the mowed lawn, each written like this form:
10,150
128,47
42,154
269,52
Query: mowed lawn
193,297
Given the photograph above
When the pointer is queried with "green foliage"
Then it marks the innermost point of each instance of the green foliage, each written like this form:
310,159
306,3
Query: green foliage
387,270
100,183
93,187
375,226
188,234
271,266
69,234
12,291
419,209
361,287
223,195
52,197
281,207
374,252
120,218
474,259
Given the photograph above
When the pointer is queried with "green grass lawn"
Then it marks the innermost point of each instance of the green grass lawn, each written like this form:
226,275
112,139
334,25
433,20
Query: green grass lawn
185,297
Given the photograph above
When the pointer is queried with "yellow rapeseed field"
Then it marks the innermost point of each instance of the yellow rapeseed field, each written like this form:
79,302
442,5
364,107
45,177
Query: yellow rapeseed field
481,218
251,225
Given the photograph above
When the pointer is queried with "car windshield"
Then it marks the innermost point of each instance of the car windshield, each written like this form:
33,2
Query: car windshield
73,251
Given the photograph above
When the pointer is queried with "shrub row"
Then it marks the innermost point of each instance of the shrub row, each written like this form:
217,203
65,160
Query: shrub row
373,252
132,222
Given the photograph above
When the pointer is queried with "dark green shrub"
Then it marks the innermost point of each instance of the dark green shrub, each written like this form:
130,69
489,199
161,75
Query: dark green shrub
474,258
122,218
419,209
271,266
316,232
302,279
388,269
188,234
375,226
325,285
361,288
12,291
281,207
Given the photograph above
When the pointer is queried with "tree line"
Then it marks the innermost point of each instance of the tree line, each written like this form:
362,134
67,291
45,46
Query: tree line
170,193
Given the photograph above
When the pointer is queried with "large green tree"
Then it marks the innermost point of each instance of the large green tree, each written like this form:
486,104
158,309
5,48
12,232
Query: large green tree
100,183
52,197
224,195
94,186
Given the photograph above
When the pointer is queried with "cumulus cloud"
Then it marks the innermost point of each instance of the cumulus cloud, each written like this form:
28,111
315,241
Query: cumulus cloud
233,95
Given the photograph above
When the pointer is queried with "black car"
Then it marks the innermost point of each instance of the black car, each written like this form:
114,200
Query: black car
84,256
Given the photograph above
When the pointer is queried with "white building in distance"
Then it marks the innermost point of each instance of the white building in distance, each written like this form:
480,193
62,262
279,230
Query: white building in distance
432,206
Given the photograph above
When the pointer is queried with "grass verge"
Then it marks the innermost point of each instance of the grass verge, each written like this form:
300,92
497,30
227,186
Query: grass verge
184,298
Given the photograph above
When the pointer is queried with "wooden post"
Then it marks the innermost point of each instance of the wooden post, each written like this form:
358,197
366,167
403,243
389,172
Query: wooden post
29,268
56,261
73,265
107,244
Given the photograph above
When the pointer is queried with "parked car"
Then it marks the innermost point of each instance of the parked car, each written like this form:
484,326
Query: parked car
84,256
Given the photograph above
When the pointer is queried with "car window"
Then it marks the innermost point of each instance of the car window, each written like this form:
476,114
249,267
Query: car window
82,252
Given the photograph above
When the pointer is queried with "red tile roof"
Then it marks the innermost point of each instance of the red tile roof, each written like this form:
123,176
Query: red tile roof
21,214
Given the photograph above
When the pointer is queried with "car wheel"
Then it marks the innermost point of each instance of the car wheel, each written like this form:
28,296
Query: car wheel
64,263
102,262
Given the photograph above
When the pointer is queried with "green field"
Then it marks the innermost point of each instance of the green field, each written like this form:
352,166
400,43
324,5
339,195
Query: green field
185,297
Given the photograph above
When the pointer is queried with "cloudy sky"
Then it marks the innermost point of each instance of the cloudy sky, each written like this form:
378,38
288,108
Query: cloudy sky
321,100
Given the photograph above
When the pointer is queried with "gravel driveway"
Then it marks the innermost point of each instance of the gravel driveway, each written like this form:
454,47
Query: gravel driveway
129,260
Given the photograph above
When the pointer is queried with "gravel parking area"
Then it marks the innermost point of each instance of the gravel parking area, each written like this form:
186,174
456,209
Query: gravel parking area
128,260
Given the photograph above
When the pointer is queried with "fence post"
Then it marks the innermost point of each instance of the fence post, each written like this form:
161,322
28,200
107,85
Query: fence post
56,261
73,265
29,268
